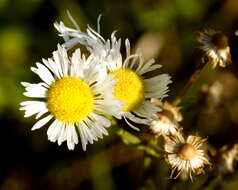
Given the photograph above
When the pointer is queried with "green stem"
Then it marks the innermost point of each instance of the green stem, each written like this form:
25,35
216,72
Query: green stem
189,95
191,82
142,144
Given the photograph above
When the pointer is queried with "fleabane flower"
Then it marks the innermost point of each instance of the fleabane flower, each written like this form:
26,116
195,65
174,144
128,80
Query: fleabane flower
215,45
73,97
185,156
134,87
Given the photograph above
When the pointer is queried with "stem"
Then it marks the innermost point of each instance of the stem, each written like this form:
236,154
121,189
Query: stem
190,82
141,143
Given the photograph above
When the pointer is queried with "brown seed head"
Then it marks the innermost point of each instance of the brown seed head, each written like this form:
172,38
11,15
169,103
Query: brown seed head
220,40
187,152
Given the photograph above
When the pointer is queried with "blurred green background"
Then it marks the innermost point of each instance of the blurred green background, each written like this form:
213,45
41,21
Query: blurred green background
163,29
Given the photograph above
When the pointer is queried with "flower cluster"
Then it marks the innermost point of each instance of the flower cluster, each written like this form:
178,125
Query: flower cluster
188,155
184,155
78,92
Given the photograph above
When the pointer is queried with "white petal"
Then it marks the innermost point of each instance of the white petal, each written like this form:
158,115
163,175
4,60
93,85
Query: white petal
136,119
83,137
42,122
33,107
52,66
54,131
43,73
63,135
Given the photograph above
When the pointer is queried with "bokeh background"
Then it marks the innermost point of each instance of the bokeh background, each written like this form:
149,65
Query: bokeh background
163,29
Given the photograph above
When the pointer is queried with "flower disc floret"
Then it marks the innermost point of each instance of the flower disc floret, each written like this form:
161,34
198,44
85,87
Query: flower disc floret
129,89
187,152
70,99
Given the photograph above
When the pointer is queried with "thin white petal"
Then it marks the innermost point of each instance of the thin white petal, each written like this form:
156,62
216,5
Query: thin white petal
42,122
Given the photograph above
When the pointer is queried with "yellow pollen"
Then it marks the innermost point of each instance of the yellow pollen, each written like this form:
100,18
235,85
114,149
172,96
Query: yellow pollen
187,152
129,89
70,99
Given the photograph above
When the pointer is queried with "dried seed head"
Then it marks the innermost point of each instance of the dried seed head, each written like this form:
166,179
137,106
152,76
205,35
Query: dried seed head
169,111
185,156
215,45
167,120
226,158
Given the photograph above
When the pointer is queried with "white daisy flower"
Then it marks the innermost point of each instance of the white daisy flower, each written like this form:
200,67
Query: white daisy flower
74,97
185,156
135,87
215,44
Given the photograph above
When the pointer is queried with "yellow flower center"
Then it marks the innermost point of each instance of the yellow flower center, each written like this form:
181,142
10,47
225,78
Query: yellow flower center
187,152
129,89
70,99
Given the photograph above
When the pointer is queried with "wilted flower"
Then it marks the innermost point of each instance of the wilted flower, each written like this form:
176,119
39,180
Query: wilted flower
185,156
226,158
167,120
74,94
103,50
215,45
134,87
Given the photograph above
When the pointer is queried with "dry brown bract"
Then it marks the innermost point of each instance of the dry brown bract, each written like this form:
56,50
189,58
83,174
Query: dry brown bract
215,45
185,156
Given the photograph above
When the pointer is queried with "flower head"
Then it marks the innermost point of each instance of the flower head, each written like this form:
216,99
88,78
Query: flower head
186,156
134,86
74,95
226,158
216,46
166,122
